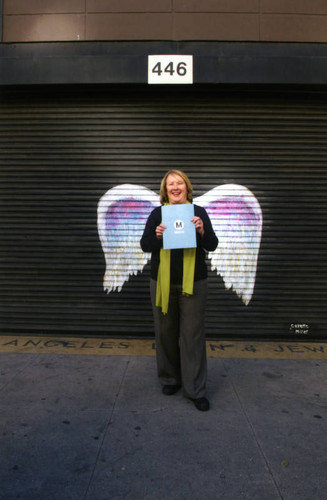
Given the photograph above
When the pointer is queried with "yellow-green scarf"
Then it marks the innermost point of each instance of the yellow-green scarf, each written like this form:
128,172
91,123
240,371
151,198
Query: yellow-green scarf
163,279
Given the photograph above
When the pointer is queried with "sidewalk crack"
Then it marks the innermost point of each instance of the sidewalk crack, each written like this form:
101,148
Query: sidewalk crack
251,427
107,429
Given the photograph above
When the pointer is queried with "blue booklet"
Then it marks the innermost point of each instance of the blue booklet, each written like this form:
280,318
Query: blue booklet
180,232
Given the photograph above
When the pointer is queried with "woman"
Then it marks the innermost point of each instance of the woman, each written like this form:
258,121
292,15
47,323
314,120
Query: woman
179,331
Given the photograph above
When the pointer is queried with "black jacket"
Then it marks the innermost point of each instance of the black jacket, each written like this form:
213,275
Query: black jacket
150,243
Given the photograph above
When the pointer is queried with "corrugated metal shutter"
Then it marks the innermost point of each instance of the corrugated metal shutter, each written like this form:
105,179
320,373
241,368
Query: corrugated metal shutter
60,150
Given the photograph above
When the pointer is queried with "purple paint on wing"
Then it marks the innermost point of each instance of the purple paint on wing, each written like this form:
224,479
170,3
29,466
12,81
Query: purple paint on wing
233,208
129,210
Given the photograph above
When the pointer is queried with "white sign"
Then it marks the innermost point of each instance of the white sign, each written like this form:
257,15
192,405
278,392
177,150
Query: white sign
170,69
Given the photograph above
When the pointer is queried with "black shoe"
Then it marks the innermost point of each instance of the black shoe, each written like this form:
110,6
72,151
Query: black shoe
169,390
202,404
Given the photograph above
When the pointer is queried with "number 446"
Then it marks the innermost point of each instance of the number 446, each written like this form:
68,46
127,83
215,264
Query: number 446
181,68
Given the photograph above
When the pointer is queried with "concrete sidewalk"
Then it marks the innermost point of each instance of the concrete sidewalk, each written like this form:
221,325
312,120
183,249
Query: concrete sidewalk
98,428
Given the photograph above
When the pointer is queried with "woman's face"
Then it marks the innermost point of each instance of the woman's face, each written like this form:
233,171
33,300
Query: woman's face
176,189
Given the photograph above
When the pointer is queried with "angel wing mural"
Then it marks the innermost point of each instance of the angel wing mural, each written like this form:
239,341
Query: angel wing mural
236,217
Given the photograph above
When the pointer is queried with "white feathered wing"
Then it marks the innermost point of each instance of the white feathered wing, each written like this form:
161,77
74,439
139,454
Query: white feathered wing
122,214
236,218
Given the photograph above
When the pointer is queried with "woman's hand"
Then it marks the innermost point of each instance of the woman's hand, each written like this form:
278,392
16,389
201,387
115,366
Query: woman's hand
198,222
159,231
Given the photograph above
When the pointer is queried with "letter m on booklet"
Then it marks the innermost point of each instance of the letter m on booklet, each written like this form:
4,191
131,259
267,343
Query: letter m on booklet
180,232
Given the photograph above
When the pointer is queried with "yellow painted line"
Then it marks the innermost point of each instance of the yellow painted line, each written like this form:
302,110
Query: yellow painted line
146,347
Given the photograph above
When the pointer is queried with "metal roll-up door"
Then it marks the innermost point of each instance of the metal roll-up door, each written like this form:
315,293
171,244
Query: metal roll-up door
61,149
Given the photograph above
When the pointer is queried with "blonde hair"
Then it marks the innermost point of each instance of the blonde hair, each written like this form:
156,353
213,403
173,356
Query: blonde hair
163,186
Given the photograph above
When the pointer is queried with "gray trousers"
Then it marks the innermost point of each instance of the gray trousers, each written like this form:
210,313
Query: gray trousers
180,339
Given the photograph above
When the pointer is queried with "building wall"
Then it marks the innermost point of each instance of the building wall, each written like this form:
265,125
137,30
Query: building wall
223,20
64,147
